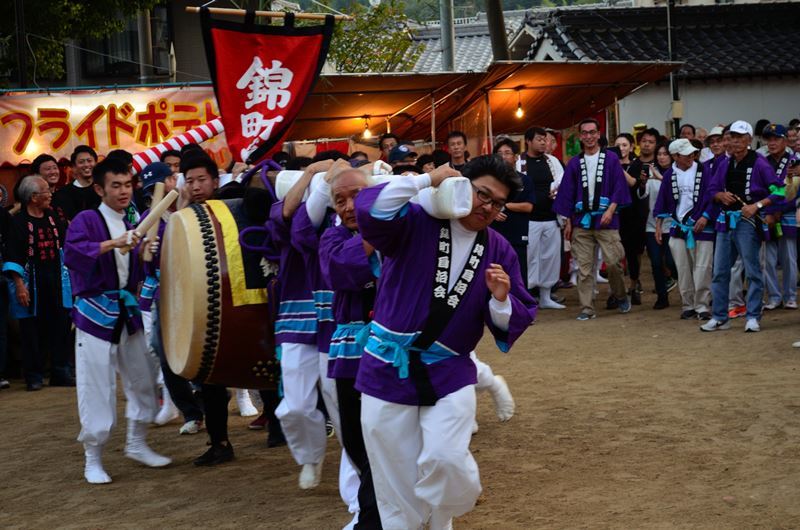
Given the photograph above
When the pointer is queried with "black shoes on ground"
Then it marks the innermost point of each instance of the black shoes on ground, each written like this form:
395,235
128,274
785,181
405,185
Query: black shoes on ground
62,381
216,454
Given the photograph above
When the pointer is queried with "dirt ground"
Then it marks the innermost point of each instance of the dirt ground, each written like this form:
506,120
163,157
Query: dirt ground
627,421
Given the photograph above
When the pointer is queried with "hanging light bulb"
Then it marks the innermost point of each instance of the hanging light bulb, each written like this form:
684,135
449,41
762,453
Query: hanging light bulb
367,134
520,113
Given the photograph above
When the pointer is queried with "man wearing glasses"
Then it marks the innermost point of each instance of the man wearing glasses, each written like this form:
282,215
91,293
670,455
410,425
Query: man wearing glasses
592,190
440,283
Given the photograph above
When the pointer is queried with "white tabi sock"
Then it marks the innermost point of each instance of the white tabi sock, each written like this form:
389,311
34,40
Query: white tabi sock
93,470
503,400
136,447
168,411
545,302
245,404
310,476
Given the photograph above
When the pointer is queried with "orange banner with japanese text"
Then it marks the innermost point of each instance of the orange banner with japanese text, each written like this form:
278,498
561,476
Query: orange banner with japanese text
134,120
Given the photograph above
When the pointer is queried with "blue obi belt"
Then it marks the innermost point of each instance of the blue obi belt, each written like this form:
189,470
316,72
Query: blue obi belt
586,220
394,348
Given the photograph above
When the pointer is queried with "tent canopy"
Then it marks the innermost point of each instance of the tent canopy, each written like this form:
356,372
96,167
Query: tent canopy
556,94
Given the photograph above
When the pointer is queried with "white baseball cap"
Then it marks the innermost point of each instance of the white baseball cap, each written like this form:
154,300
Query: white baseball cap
681,146
715,131
741,127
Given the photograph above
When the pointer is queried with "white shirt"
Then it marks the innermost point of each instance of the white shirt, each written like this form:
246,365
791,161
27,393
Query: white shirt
685,180
591,173
116,227
392,199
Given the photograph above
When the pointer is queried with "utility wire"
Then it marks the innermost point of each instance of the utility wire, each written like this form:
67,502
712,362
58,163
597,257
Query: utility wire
121,59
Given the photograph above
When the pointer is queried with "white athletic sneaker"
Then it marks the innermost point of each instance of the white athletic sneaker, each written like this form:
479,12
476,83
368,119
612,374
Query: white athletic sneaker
752,326
503,400
191,427
769,306
791,304
715,325
796,344
310,476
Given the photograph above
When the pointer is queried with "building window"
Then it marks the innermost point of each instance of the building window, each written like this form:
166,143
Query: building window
117,55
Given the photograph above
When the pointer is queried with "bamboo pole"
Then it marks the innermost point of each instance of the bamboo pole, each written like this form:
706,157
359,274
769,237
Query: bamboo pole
273,14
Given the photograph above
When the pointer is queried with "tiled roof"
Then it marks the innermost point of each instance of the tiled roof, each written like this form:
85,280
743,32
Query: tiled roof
735,40
473,46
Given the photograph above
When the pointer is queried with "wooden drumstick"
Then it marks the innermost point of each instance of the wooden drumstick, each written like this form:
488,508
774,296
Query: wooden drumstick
158,194
153,217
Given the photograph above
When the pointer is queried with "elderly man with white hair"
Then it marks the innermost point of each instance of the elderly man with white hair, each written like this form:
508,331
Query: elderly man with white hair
39,292
742,186
683,202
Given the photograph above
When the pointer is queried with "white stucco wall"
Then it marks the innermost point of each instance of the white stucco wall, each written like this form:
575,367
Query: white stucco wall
707,104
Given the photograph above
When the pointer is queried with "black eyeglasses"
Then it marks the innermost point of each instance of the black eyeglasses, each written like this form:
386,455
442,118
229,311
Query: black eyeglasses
485,198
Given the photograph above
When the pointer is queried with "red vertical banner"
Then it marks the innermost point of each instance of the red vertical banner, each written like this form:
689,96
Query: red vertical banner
262,76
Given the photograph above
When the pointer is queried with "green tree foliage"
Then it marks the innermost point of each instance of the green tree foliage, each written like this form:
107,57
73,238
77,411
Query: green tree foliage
378,40
48,23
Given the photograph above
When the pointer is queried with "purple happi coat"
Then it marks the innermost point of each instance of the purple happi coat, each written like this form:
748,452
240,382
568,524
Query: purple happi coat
570,197
95,284
152,270
347,268
667,205
409,243
762,184
296,322
305,239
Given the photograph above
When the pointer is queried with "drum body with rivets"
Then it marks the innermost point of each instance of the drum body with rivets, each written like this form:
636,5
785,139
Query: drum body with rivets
216,318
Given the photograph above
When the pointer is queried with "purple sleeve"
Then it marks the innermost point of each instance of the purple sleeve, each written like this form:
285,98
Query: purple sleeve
388,236
565,198
80,250
523,306
662,207
278,226
343,260
717,183
304,237
772,184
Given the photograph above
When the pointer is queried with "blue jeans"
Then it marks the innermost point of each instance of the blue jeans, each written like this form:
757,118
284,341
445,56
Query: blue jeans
783,251
744,241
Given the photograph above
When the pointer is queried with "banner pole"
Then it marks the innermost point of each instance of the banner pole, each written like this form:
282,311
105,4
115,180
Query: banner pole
273,14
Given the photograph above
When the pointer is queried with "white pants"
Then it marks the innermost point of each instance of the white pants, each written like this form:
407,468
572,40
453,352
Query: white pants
302,423
544,253
96,365
694,273
420,460
348,476
485,374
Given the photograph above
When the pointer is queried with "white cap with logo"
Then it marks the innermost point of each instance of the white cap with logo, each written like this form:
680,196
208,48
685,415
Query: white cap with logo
741,127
